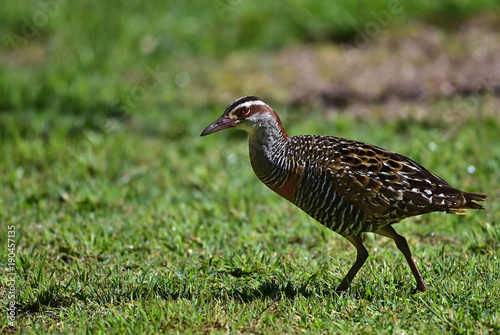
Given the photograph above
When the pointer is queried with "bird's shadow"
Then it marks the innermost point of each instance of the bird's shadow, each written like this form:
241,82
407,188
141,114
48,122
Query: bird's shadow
252,288
270,289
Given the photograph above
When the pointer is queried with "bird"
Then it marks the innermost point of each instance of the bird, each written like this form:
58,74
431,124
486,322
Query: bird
348,186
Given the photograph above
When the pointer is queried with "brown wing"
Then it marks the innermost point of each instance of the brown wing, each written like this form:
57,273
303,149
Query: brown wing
386,186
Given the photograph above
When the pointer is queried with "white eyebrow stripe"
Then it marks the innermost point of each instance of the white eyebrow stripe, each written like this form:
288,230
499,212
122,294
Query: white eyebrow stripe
248,104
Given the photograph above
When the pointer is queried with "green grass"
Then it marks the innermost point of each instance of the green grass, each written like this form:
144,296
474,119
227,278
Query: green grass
127,232
128,222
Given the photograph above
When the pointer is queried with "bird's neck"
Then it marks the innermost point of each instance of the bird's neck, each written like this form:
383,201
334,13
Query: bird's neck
265,143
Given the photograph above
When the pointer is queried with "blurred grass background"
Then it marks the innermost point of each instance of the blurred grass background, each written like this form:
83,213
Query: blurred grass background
82,58
127,221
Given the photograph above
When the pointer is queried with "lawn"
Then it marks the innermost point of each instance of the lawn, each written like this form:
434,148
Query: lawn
118,218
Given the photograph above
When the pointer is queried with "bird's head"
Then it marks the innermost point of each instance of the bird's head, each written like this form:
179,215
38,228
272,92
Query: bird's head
248,113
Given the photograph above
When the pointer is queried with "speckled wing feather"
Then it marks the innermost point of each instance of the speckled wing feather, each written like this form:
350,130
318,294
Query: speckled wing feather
385,186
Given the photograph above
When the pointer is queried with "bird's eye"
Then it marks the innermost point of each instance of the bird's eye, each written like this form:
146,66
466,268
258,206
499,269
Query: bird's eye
245,110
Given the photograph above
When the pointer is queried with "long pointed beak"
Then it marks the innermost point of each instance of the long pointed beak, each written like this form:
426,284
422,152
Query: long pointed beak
221,123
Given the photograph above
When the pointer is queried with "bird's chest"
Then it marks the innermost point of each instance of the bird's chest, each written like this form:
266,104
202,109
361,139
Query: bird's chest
276,170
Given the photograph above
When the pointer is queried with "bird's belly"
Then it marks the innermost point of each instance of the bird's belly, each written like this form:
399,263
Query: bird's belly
317,197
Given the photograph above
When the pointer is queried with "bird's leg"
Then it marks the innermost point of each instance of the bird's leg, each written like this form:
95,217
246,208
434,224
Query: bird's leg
362,255
402,245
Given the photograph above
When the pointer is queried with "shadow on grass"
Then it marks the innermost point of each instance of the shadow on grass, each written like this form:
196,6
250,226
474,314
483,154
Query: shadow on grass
52,297
105,291
270,289
254,289
275,290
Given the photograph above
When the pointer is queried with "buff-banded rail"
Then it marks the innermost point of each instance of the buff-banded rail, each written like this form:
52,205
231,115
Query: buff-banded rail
348,186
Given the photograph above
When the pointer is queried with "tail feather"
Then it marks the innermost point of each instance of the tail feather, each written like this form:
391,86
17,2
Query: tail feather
470,197
469,203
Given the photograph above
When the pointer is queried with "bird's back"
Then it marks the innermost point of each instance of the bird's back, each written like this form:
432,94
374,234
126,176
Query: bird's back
353,187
